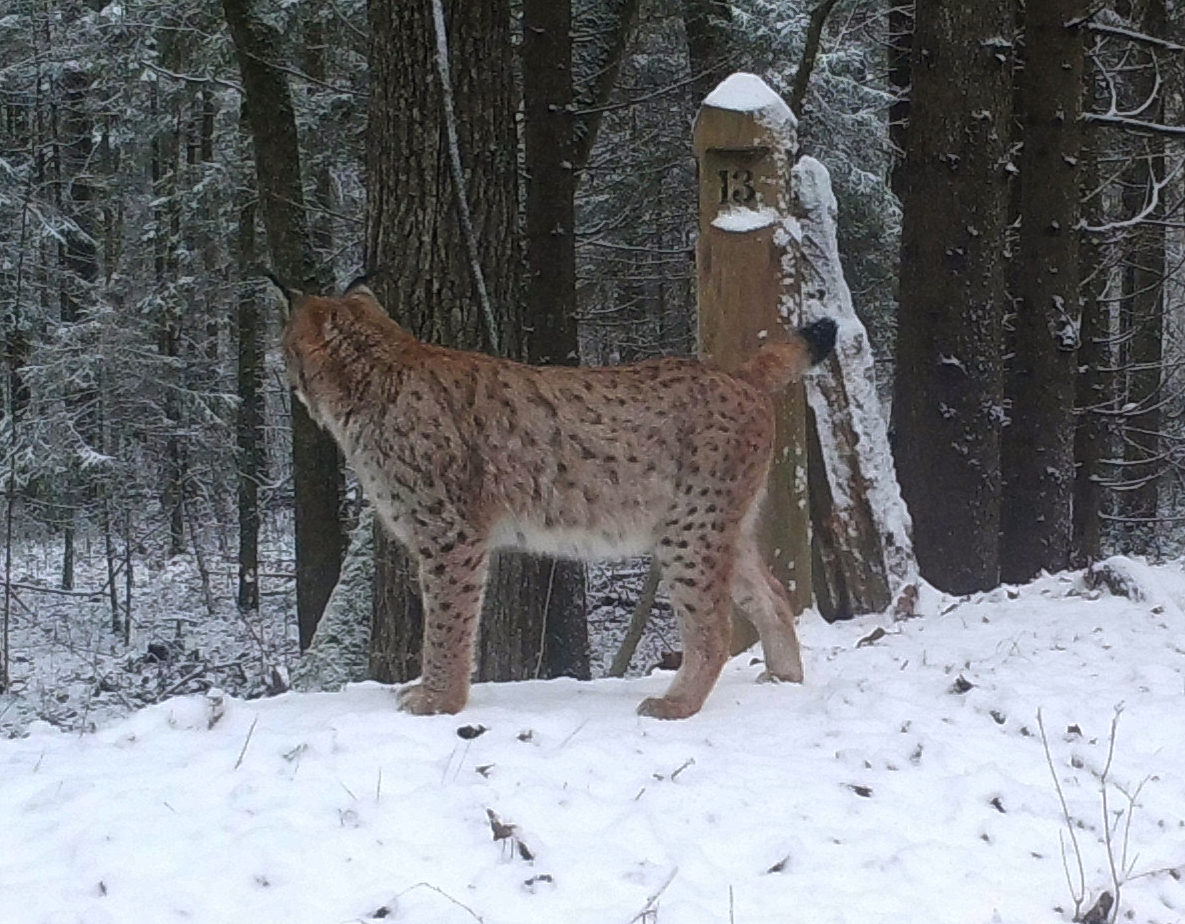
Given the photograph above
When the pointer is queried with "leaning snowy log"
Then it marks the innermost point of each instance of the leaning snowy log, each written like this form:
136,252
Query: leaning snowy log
745,256
862,527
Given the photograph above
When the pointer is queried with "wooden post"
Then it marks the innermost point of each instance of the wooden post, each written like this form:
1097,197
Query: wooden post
747,257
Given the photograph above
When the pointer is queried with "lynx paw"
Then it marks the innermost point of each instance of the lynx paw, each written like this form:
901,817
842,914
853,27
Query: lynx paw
662,707
418,700
790,676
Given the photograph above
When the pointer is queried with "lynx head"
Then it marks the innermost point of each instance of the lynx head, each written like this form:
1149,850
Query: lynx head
313,341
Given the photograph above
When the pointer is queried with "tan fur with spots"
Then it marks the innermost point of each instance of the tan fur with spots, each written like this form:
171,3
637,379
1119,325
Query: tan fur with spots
462,453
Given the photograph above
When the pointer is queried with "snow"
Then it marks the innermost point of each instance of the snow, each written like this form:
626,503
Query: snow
738,219
741,92
906,780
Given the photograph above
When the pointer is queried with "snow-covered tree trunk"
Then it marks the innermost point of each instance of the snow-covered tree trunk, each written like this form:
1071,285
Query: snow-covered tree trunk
862,527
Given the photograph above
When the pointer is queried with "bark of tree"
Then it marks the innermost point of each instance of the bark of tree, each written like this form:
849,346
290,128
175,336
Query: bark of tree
79,259
1094,391
166,216
249,422
316,463
705,24
1038,446
948,393
550,332
427,284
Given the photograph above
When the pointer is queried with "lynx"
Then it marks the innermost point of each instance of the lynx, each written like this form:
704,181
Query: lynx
462,453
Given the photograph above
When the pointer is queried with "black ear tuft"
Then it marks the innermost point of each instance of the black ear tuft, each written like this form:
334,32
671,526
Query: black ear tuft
289,293
820,337
278,283
361,282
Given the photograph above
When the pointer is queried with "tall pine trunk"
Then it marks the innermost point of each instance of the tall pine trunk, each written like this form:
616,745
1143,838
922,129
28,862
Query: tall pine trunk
1038,450
428,283
249,419
948,394
317,473
549,293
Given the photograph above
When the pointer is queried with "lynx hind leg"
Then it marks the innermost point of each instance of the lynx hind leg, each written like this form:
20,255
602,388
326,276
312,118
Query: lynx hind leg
763,599
698,587
453,569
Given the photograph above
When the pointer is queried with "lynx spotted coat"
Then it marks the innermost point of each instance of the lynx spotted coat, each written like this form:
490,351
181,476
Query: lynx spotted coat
462,453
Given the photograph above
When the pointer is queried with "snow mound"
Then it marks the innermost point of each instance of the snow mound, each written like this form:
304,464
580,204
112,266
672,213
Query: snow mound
905,781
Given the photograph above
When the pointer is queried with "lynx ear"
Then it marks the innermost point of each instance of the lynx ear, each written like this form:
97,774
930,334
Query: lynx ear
358,286
290,294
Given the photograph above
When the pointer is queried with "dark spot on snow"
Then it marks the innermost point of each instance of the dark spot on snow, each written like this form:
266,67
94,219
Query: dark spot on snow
469,732
997,805
961,685
998,717
863,791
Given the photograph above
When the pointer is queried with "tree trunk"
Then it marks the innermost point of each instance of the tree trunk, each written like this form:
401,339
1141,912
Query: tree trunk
705,23
79,259
948,393
549,320
1038,447
316,463
428,284
610,27
249,423
1093,386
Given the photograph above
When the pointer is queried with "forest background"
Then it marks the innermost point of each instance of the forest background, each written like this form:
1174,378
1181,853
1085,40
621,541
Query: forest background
1009,197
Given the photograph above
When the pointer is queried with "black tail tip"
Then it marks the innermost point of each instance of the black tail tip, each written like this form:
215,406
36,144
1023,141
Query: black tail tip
820,337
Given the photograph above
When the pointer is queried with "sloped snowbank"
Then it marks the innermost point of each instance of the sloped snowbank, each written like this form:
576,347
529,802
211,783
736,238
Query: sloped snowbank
905,781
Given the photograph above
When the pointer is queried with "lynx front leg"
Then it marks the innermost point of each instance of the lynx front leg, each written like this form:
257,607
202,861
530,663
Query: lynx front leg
452,584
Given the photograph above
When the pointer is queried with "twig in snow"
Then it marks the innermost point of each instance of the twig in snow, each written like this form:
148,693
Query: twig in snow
652,901
243,752
443,894
1078,895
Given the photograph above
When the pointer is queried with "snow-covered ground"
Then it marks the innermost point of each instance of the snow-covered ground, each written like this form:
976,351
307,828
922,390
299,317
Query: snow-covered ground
905,781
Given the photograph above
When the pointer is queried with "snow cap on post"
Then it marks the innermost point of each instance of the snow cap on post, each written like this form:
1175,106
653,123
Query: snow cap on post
748,293
750,94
